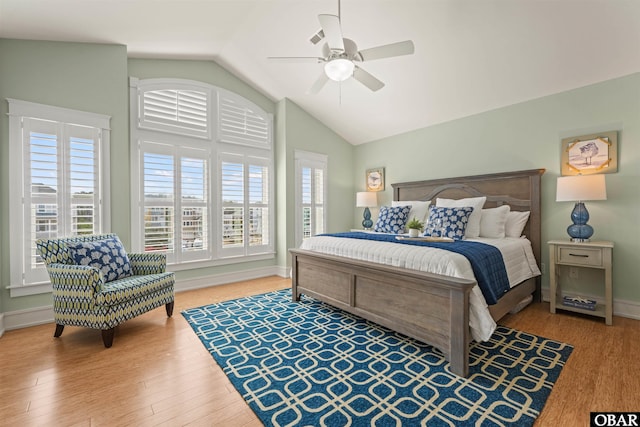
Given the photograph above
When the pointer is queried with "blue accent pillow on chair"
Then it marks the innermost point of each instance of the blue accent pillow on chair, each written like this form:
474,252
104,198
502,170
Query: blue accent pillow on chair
392,219
453,222
106,255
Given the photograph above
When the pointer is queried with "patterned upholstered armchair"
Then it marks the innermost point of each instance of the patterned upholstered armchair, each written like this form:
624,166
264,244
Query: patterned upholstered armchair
96,284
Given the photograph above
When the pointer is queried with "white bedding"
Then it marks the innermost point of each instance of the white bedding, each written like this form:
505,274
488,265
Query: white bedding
518,257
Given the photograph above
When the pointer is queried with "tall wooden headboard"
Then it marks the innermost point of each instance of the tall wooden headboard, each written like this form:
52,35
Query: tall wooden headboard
520,190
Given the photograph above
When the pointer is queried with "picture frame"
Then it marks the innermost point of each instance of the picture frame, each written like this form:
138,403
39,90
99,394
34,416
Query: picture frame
590,154
374,179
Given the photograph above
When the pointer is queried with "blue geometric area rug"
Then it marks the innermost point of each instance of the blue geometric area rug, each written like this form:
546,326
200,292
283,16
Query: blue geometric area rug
309,364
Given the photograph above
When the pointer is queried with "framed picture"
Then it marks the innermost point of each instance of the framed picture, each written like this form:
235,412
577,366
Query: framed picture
375,179
589,154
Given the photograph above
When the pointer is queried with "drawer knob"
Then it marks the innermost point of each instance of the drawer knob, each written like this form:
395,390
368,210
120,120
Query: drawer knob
579,255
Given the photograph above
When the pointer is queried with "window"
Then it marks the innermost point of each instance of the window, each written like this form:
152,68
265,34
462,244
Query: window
175,202
59,183
311,185
180,194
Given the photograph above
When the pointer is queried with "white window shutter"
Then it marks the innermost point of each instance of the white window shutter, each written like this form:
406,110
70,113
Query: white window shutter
241,122
176,110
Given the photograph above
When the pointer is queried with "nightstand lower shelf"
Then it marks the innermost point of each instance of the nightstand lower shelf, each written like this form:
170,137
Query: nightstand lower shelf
600,310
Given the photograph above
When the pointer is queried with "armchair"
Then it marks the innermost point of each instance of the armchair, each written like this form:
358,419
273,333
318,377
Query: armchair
101,297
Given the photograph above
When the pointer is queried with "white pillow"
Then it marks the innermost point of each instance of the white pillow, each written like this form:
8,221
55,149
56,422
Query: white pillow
473,226
493,221
516,221
418,210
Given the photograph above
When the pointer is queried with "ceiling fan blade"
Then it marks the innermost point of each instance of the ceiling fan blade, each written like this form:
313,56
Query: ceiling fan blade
289,59
319,83
333,33
367,79
387,51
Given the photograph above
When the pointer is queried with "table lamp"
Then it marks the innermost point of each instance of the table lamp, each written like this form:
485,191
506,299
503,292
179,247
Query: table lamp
577,189
366,200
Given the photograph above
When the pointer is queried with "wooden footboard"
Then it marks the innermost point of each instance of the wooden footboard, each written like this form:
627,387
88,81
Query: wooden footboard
431,308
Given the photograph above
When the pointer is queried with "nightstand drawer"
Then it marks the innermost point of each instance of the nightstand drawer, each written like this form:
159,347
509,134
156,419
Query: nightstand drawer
580,256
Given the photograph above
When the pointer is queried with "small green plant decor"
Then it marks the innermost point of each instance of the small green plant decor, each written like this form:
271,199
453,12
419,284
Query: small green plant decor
415,226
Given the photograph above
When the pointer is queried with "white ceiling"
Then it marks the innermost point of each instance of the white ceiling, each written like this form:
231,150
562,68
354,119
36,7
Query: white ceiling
470,55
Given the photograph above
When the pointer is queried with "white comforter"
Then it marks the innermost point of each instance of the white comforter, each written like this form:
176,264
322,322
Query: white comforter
518,257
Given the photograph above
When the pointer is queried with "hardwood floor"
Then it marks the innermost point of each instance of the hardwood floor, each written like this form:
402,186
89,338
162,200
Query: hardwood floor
158,372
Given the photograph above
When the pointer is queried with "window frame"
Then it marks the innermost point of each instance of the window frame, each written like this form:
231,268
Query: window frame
36,280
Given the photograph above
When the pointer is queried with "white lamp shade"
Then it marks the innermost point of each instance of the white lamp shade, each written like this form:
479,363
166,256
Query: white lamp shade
580,188
366,199
339,69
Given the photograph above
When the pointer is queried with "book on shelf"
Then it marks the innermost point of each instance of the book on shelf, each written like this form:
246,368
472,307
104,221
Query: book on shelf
579,302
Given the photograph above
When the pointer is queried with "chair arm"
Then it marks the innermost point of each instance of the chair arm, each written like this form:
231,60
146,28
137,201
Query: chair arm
79,281
147,263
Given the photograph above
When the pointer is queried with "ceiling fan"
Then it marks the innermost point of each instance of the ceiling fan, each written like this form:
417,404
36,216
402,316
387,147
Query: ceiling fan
340,55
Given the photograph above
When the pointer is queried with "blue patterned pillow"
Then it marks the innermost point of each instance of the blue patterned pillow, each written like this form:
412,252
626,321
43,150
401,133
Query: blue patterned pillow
392,219
106,255
453,222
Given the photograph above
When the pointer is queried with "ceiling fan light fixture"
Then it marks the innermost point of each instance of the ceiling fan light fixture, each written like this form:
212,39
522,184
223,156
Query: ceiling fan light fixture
339,69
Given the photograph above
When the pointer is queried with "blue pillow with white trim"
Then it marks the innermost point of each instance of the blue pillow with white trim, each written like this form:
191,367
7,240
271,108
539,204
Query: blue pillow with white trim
107,255
392,219
453,222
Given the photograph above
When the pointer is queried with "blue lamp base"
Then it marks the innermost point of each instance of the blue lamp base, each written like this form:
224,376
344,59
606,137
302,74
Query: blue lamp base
367,223
580,231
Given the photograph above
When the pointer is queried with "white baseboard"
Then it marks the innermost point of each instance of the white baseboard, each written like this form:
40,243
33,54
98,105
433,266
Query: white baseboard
622,308
28,317
236,276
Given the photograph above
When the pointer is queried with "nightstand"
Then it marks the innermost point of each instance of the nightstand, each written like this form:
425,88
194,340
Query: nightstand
585,255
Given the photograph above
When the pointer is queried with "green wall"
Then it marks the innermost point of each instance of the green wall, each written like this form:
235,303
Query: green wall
528,136
86,77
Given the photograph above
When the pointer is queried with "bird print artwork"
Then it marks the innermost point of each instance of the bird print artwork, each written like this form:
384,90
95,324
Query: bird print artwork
588,151
588,154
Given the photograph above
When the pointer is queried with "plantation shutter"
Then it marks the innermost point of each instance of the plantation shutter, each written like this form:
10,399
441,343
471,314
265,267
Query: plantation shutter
175,110
159,197
240,122
259,220
194,204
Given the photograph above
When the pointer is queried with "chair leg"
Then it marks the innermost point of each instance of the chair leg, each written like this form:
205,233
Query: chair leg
59,329
169,307
107,336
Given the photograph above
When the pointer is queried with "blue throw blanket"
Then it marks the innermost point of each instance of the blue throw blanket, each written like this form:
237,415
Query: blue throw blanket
486,260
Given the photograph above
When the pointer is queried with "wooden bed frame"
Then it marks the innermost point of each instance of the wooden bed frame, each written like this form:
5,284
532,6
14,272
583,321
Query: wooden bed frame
429,307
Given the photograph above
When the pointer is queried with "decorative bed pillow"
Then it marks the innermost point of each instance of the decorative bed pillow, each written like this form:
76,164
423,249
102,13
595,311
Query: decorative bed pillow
106,255
453,222
515,223
419,209
473,227
493,221
392,219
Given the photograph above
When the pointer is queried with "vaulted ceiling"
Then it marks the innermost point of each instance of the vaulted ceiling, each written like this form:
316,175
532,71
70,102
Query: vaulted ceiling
470,55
